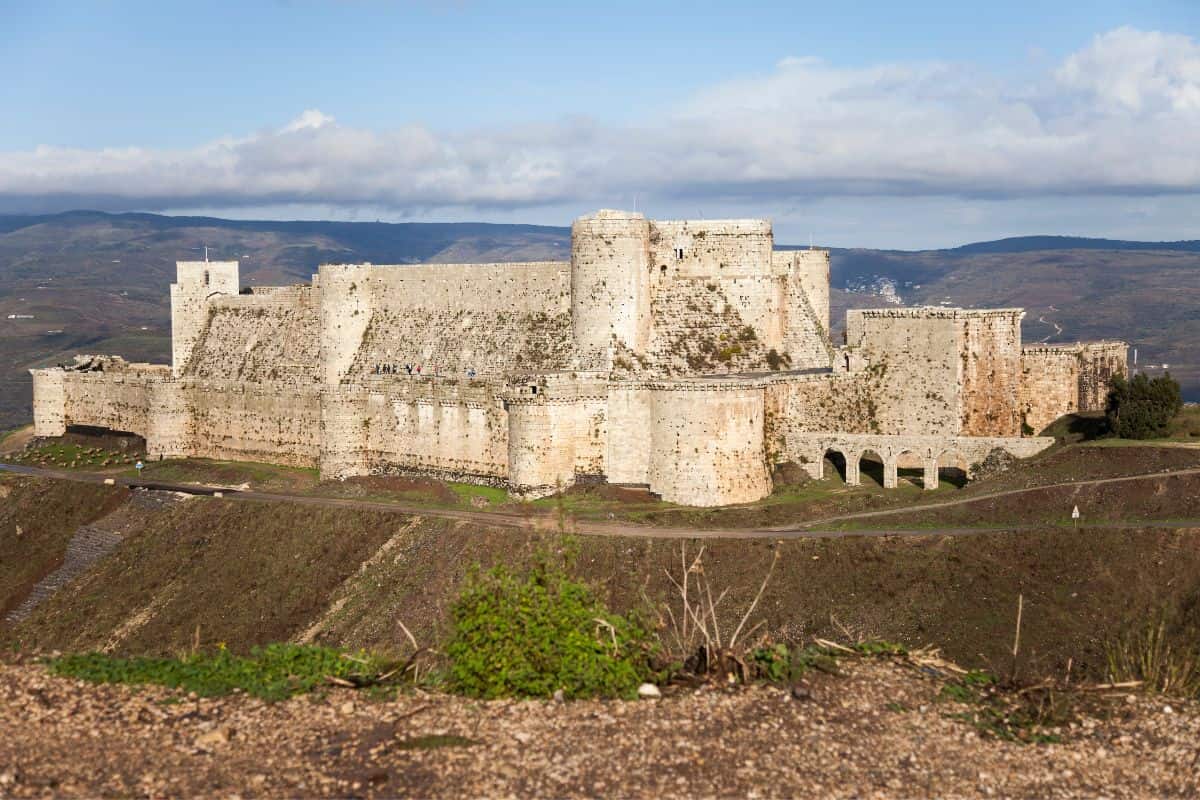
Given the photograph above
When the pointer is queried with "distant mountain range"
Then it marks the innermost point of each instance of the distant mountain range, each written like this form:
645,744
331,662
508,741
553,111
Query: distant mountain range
98,282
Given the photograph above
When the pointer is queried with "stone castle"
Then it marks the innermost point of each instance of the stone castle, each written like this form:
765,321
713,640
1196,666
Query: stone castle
689,357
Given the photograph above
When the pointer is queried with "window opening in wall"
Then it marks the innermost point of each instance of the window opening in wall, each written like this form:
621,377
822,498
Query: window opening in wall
679,252
533,390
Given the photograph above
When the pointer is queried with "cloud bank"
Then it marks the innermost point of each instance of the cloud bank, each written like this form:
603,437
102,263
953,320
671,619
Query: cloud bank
1121,117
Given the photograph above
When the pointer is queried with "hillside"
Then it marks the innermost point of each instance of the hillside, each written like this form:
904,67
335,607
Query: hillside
342,573
194,573
98,282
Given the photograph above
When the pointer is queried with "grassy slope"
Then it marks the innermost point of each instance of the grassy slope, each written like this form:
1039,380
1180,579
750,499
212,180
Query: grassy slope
47,514
249,574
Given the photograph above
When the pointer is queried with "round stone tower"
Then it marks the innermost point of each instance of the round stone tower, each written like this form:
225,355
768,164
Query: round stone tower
610,284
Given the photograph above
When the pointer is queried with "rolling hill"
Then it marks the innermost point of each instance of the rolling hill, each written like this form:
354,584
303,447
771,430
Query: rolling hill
96,282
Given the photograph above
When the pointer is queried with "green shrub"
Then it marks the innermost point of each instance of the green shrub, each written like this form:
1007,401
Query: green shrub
533,634
1142,408
274,672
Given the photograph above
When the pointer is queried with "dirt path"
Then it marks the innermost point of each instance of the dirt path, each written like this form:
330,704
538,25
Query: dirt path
15,442
546,522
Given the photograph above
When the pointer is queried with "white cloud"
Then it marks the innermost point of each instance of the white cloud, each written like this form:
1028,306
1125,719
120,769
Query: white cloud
1119,117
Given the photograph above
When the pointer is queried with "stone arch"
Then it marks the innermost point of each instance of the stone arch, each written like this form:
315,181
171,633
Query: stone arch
854,469
950,465
906,462
836,456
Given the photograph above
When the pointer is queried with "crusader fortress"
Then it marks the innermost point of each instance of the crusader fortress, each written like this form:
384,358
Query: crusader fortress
686,357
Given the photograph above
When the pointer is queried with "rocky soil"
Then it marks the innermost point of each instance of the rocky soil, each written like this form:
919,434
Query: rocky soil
877,730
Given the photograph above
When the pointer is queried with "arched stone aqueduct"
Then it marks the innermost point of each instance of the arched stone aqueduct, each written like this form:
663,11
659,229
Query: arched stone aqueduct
929,450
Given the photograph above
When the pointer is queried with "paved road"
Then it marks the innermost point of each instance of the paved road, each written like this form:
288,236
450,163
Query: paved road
545,522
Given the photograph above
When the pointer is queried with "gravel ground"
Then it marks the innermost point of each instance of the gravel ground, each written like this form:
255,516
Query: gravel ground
874,731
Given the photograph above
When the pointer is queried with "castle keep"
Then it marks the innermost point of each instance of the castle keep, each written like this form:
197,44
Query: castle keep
690,357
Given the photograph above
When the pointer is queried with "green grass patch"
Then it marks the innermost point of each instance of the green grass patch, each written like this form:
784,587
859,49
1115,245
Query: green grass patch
206,470
274,672
468,491
71,455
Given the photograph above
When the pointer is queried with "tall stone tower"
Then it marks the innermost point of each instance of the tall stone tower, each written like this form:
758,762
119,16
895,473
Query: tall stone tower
610,284
195,282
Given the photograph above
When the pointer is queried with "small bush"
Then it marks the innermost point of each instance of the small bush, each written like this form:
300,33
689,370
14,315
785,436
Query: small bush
1142,408
533,634
274,672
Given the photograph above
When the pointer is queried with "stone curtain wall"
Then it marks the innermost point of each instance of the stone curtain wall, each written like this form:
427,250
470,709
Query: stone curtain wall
911,359
1049,384
991,375
492,314
453,342
241,421
711,248
1100,361
697,330
262,337
1063,379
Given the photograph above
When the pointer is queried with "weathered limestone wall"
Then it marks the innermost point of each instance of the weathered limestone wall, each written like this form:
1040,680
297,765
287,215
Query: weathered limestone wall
1049,385
610,284
1100,362
557,434
706,443
347,305
805,307
991,372
109,400
490,318
815,403
944,371
699,330
1063,379
455,342
245,421
266,336
49,402
711,248
627,460
454,430
913,362
530,287
195,283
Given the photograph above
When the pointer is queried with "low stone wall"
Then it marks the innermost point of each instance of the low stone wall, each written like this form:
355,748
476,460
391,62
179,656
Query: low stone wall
808,450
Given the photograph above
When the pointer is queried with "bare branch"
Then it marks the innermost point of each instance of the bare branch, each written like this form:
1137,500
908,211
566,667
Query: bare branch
757,597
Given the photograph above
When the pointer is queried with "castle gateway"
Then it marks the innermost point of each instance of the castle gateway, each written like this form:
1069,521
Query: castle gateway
686,356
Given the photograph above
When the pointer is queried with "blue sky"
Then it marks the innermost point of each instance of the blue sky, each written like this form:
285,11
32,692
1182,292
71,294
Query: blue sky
870,123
